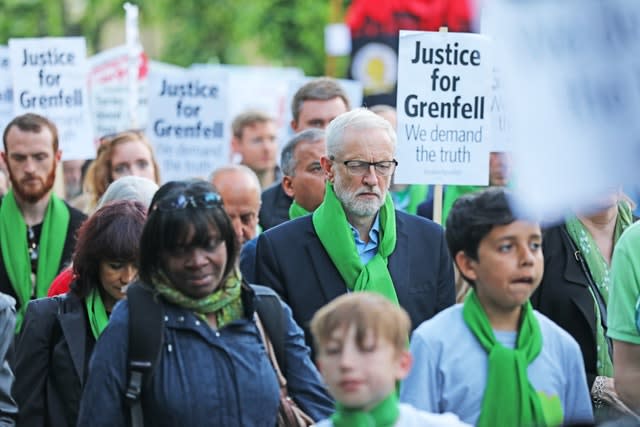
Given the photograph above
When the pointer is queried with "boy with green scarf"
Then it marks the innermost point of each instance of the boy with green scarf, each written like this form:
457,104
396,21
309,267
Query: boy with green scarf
361,342
528,371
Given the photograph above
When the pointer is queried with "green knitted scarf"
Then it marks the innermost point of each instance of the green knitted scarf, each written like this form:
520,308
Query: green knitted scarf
332,227
15,253
98,317
509,398
225,301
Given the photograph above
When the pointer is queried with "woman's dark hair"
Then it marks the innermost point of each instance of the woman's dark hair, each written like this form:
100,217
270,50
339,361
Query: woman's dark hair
111,233
168,228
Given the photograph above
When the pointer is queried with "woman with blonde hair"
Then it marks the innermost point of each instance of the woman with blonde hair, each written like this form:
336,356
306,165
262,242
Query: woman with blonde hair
121,154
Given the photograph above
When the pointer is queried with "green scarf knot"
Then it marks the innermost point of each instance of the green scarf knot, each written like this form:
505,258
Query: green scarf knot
509,398
331,225
384,414
225,301
15,252
296,211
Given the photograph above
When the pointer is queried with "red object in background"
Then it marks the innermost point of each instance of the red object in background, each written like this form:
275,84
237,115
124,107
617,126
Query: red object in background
374,33
61,283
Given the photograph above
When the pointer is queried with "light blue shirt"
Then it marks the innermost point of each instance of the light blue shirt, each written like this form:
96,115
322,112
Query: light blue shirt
449,373
368,250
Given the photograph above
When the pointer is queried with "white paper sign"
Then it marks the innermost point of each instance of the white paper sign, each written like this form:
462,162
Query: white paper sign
50,78
573,81
6,89
188,121
444,87
109,91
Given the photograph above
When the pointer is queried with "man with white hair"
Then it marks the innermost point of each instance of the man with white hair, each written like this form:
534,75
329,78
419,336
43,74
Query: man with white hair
355,240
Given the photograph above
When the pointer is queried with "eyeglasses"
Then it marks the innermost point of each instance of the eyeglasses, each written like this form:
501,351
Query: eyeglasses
360,167
206,201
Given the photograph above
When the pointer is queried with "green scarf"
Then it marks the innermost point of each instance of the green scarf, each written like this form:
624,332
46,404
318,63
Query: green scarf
15,253
509,398
296,211
330,223
98,317
600,273
384,414
408,199
225,301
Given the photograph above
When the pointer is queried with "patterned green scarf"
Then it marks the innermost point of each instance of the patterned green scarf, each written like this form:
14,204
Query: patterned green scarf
385,414
225,302
600,273
96,312
509,398
296,211
15,253
330,223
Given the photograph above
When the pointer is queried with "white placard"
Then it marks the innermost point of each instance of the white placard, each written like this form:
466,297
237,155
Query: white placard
6,89
572,79
109,91
188,121
50,78
444,87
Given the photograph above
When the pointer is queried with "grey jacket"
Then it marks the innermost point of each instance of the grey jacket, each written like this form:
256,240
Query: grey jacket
8,407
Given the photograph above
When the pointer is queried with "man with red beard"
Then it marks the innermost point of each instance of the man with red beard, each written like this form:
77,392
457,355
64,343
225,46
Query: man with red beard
37,229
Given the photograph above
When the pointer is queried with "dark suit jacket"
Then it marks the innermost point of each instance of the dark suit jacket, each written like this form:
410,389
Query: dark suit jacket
275,206
564,296
52,357
291,260
75,219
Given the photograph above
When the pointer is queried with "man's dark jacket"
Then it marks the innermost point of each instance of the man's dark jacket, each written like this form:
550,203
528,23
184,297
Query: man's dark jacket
291,260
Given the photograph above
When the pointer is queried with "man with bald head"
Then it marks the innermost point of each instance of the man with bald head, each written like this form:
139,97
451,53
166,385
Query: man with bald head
239,188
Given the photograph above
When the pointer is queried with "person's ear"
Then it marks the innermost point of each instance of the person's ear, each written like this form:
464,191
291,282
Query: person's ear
235,144
287,186
466,265
58,155
403,367
294,125
327,166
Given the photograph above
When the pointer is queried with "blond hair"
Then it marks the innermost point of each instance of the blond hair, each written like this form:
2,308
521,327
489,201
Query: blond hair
368,312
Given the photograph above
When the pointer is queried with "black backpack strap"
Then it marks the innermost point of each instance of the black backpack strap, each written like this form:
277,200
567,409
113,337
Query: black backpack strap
146,330
272,317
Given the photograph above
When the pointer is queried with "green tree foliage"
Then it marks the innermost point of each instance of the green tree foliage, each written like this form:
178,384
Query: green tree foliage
275,32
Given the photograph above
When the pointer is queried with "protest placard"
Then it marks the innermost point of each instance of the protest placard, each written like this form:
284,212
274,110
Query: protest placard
573,81
109,91
444,88
188,121
6,89
50,78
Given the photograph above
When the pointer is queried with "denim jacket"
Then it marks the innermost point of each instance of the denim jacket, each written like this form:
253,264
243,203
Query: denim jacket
204,377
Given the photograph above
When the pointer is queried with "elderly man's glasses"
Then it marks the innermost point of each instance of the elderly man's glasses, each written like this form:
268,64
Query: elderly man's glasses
205,201
360,167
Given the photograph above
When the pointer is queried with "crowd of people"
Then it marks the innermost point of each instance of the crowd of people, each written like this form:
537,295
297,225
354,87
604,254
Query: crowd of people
310,281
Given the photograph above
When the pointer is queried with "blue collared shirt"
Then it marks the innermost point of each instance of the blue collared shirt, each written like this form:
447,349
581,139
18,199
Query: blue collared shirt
366,251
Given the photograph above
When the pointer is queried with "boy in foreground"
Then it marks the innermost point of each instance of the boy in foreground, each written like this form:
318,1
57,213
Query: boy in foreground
361,344
493,360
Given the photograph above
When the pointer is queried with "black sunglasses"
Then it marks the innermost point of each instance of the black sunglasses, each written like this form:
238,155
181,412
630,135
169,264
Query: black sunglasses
206,200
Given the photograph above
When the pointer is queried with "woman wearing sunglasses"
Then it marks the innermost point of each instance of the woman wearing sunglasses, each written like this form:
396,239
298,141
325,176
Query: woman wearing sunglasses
213,369
59,333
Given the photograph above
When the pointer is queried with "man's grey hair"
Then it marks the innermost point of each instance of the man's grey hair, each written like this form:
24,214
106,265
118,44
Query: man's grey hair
288,162
358,118
320,89
129,188
237,168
